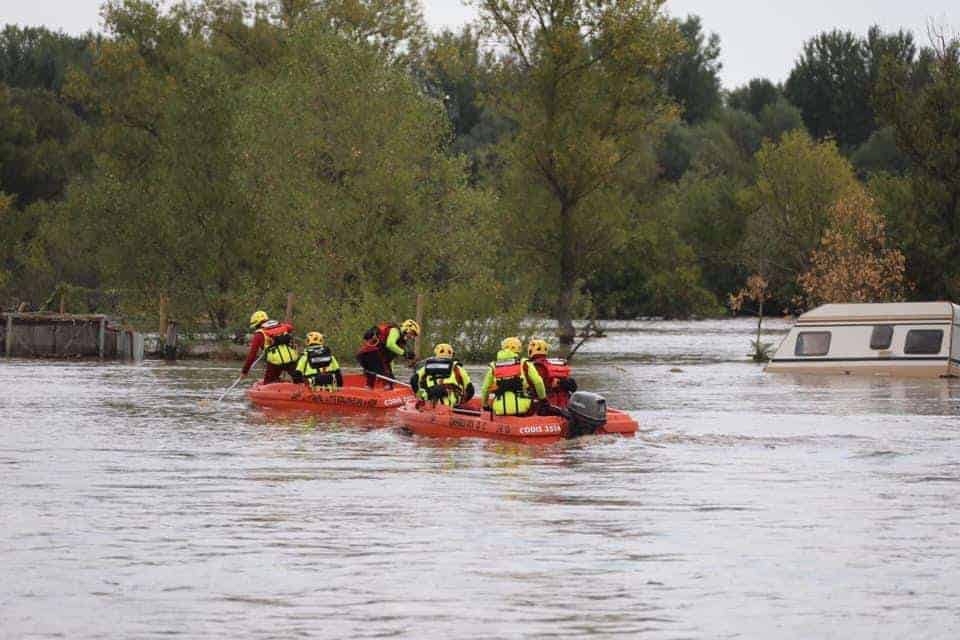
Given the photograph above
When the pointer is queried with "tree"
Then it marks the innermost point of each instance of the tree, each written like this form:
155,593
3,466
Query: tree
39,145
754,96
778,118
830,85
452,68
36,58
161,209
396,27
655,273
854,262
42,147
881,153
693,76
706,212
7,242
374,208
798,181
579,83
919,101
889,48
757,291
745,131
832,82
724,145
455,70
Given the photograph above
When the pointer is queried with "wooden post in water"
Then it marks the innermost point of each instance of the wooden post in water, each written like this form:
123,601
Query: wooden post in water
63,303
288,317
419,319
164,302
8,341
168,331
170,341
102,338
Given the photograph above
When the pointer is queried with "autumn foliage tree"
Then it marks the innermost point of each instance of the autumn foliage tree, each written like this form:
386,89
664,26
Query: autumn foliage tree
854,262
798,181
757,292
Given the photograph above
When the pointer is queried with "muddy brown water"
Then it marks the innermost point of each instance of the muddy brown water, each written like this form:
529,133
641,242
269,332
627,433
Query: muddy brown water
751,506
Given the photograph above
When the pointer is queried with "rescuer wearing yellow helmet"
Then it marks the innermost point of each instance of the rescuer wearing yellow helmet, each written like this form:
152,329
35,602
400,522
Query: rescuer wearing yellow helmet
318,365
275,338
442,379
555,372
512,379
382,343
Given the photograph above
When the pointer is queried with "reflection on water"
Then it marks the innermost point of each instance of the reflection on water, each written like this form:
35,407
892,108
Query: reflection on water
749,506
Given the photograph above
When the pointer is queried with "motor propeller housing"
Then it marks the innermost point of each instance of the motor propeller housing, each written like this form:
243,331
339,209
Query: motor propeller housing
588,413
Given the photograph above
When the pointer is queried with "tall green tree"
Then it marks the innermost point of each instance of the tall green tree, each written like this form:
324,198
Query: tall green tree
920,102
37,58
656,274
723,145
40,149
894,48
779,118
693,75
880,153
369,207
579,80
161,208
706,211
456,70
754,96
8,242
832,82
43,145
830,85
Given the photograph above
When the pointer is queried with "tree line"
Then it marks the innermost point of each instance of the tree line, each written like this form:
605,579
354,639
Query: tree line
564,159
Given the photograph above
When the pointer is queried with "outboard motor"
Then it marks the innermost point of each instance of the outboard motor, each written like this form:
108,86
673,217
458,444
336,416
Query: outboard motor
588,413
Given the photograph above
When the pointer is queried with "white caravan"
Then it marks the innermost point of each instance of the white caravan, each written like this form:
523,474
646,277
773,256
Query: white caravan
911,339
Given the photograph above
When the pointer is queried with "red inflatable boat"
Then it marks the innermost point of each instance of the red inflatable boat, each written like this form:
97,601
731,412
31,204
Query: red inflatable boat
353,397
470,422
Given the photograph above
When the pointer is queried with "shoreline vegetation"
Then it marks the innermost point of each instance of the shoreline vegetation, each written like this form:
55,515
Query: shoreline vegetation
196,161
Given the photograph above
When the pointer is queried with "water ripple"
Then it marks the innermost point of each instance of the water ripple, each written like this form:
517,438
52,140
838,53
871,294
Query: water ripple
749,506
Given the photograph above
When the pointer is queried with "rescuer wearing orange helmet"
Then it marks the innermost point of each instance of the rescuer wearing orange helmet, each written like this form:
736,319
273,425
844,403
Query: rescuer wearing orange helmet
275,338
382,344
555,373
513,380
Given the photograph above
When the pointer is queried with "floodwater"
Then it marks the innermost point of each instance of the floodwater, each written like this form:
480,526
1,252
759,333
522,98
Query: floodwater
751,506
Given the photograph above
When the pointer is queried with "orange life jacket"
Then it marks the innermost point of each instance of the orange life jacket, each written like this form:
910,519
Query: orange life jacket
510,375
273,331
552,370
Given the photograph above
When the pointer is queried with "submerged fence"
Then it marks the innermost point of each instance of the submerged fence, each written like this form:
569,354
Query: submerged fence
32,335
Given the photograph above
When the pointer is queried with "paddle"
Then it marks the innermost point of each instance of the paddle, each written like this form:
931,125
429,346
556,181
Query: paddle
385,378
235,383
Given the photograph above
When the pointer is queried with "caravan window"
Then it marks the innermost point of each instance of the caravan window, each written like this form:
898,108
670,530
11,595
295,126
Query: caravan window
882,337
923,342
813,343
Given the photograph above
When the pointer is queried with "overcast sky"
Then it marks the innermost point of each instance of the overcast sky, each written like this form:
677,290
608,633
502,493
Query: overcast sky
759,38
